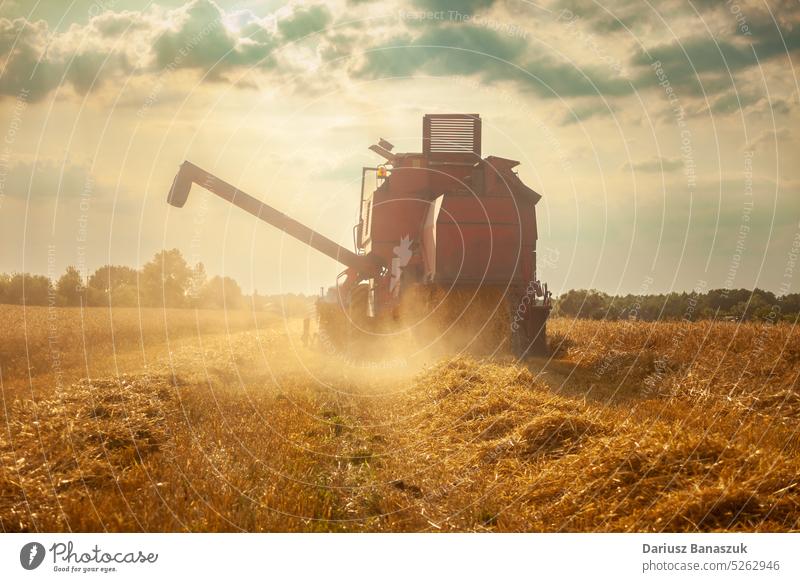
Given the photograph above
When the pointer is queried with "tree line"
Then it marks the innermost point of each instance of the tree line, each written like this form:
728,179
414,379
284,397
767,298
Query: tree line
732,304
167,280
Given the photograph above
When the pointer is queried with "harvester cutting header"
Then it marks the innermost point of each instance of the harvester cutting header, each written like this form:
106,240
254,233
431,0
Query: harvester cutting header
441,234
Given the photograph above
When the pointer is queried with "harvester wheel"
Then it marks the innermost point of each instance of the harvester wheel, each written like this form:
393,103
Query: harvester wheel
529,336
538,332
358,313
332,325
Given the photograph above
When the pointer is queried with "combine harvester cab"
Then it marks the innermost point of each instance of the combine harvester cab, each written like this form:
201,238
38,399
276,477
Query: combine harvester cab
445,245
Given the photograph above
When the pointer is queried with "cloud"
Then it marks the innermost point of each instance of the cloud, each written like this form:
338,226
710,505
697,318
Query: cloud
582,113
551,79
606,17
695,67
778,106
452,48
733,102
22,46
463,6
770,140
745,18
449,48
203,37
697,63
304,21
705,64
47,179
655,165
198,35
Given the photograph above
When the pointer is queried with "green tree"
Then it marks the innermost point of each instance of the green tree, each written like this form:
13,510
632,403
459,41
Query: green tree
569,304
125,296
5,281
584,303
196,283
29,289
112,284
69,288
109,277
221,292
165,279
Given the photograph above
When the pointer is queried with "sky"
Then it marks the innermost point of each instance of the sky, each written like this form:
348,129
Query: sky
661,135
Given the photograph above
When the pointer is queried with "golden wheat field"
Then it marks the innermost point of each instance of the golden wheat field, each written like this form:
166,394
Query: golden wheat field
181,420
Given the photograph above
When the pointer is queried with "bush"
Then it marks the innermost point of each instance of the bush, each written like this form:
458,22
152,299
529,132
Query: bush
25,289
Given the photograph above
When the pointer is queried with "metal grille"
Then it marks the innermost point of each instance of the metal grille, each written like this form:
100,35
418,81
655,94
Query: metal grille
451,134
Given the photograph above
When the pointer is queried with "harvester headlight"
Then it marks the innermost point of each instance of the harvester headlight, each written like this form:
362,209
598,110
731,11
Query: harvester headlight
382,172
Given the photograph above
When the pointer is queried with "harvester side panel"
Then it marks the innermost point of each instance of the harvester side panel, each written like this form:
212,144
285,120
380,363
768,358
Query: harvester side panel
482,240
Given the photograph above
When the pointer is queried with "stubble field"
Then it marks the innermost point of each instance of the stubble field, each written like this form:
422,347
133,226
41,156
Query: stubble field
181,420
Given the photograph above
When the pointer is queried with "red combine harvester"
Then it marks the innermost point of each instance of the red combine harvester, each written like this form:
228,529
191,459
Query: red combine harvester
446,242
